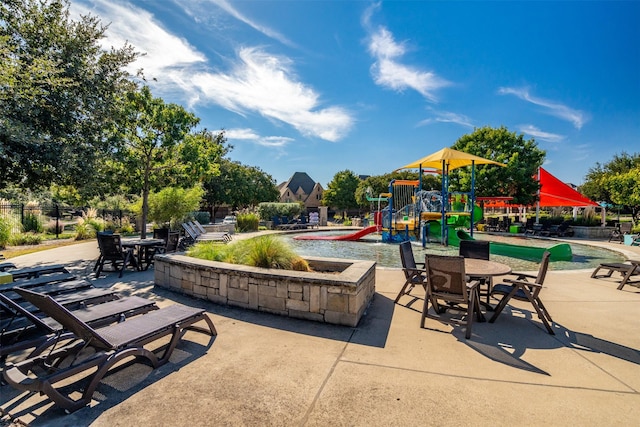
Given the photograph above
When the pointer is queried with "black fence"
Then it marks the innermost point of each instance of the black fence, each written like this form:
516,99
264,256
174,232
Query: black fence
51,216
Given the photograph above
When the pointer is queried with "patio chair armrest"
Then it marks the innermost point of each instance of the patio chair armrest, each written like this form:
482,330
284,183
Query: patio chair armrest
473,284
414,270
520,276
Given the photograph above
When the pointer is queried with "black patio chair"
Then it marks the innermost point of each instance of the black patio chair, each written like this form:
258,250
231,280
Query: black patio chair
111,250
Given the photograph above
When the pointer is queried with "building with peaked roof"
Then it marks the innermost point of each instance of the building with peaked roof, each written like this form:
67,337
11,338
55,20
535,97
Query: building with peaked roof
301,188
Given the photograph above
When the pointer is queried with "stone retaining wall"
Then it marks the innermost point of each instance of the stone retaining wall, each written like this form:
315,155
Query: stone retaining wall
337,291
594,233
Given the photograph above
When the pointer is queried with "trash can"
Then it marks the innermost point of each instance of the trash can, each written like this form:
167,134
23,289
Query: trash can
514,229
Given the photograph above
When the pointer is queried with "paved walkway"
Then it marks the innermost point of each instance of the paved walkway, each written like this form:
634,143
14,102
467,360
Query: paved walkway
268,370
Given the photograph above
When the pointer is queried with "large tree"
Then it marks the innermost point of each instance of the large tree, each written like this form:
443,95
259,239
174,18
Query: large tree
239,186
522,157
341,191
58,93
616,182
157,147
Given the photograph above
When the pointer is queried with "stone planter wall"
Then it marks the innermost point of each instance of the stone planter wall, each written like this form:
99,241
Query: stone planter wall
592,232
337,292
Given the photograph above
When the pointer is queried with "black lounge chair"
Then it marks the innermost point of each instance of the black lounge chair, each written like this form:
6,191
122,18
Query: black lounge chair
33,272
111,344
22,329
626,270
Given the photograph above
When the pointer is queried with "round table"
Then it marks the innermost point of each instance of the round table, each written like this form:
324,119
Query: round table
485,269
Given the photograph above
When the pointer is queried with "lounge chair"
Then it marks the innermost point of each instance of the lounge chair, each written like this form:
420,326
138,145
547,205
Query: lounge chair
413,275
621,228
192,235
111,344
525,287
447,282
31,272
22,329
626,270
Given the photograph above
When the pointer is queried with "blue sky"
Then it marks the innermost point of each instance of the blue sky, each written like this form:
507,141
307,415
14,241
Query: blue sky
322,86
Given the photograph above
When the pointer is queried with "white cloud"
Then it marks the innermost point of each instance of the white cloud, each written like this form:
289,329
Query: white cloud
257,82
265,83
388,71
250,135
576,117
164,53
448,117
539,134
269,32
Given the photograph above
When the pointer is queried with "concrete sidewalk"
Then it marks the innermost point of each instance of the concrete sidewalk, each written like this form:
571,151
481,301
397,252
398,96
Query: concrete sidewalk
264,369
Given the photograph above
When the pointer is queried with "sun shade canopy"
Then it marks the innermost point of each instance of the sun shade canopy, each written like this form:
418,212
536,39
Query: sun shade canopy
554,192
453,159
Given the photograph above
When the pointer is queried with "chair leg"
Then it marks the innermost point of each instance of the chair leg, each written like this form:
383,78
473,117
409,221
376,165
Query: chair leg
539,311
502,304
403,291
471,307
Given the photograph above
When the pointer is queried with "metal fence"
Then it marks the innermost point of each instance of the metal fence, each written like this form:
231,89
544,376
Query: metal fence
50,216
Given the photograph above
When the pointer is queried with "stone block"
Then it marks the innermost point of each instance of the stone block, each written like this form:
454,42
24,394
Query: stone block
314,299
253,296
337,302
273,303
238,295
298,305
340,318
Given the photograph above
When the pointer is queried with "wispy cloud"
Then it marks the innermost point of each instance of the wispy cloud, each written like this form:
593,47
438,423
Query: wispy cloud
269,32
448,117
539,134
266,84
256,82
388,71
252,136
576,117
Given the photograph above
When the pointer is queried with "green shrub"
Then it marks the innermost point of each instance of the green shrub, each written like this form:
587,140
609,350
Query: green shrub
247,222
5,231
84,230
267,210
171,204
263,251
202,217
25,239
32,222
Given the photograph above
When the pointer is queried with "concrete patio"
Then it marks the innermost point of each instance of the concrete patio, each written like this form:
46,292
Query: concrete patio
264,369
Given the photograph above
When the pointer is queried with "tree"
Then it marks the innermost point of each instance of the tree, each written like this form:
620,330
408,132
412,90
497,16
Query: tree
239,186
340,192
59,92
157,148
523,158
616,182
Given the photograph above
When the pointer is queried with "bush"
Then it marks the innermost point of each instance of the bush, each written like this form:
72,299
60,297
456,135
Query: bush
5,231
247,222
264,251
32,222
51,227
84,230
202,217
25,239
267,210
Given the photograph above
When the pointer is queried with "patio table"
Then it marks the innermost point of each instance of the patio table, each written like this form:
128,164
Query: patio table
485,269
144,250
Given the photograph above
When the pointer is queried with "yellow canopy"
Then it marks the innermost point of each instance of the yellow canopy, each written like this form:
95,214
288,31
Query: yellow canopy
453,159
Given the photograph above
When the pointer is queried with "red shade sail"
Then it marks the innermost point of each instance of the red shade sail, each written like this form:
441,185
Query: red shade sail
554,192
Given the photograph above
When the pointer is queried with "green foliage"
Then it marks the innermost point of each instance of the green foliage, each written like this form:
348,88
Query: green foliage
340,192
268,210
84,231
32,223
263,251
247,222
171,204
240,186
523,158
5,231
25,239
617,183
202,217
59,92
